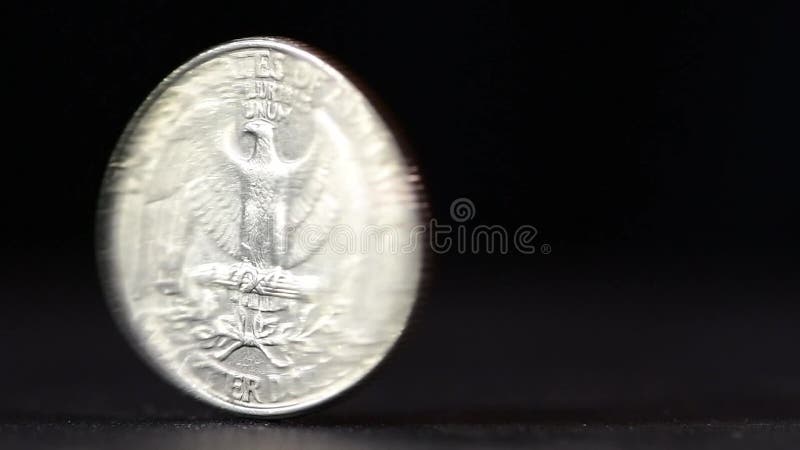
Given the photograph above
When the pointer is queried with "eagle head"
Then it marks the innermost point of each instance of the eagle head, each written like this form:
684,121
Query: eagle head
257,146
260,128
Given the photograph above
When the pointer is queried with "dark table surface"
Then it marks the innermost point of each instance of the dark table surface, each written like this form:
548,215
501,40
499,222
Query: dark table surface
582,367
234,435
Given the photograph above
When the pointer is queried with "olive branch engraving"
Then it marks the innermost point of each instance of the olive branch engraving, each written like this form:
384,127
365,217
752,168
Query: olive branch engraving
230,333
249,325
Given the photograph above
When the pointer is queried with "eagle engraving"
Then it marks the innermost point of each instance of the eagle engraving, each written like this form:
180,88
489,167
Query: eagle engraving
253,201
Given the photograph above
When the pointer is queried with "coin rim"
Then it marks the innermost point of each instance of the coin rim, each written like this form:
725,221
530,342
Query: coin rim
110,275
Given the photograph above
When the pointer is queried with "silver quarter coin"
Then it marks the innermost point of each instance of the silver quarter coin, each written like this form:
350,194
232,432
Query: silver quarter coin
260,229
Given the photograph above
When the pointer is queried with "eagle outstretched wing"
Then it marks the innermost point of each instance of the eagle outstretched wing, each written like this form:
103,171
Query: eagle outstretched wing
214,198
312,210
195,167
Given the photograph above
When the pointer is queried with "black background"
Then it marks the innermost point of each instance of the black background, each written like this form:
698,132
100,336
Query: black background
655,149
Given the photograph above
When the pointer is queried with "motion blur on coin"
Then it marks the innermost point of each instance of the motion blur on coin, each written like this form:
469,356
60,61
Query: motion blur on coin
241,220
